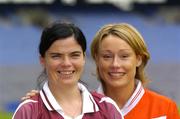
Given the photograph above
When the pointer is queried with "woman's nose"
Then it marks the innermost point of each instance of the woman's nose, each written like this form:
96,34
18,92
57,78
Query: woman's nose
66,61
115,62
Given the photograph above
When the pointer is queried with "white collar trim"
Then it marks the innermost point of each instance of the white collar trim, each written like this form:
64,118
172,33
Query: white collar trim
89,104
133,100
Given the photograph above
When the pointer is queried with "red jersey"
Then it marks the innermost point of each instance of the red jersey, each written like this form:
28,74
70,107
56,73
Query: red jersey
146,104
44,106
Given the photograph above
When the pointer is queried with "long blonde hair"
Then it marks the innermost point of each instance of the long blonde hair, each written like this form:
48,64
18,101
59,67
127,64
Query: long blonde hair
130,35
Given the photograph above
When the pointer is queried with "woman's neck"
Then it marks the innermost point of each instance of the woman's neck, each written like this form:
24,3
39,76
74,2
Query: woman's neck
120,94
65,92
69,98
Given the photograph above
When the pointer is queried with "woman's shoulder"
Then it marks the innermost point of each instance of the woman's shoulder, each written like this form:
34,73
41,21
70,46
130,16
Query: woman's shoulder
29,103
107,106
100,97
27,108
160,103
159,99
97,95
103,100
153,95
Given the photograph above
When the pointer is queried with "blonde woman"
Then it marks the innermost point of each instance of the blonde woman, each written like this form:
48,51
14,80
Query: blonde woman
120,54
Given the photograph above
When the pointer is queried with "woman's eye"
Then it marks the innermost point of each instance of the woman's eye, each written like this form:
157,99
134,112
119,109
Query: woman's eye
55,56
75,55
107,56
124,56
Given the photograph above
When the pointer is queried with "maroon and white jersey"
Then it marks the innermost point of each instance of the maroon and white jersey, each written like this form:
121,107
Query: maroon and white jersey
45,106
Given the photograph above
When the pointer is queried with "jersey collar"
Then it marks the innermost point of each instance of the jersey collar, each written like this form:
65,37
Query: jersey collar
133,100
51,104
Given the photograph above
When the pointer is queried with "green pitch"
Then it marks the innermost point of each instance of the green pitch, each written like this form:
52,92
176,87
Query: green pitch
5,115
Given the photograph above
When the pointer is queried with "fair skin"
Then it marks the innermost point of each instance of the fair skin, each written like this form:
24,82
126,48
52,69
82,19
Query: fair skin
117,62
64,62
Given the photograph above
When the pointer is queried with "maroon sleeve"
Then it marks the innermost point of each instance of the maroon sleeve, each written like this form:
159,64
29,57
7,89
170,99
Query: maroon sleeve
107,106
26,111
113,113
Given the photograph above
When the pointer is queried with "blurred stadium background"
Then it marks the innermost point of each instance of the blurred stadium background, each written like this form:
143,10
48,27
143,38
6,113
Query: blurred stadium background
21,22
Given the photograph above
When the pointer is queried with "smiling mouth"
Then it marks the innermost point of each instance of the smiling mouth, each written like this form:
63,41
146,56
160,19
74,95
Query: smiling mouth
116,74
65,74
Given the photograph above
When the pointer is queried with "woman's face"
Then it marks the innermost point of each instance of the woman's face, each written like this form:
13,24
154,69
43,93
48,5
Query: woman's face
116,62
64,61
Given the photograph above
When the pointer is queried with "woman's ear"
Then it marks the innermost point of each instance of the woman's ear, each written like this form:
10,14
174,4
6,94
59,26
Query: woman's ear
139,60
84,54
96,59
42,61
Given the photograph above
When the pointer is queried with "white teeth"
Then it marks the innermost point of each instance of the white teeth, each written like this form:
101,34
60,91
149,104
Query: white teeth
65,72
116,74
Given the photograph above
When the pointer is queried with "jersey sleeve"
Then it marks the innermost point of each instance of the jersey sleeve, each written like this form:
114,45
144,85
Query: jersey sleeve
112,109
107,106
26,110
173,111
